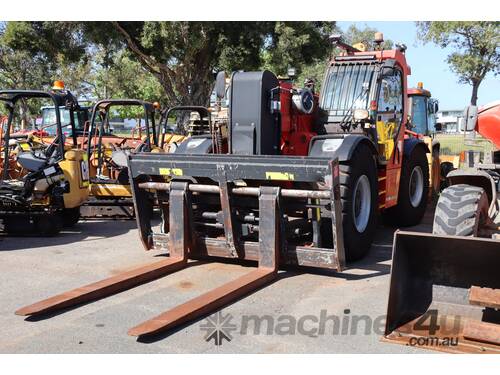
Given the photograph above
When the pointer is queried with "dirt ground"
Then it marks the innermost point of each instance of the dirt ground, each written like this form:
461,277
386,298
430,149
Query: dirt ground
297,311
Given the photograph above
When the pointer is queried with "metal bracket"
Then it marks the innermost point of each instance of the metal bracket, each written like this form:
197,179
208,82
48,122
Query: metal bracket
228,215
178,240
269,227
336,208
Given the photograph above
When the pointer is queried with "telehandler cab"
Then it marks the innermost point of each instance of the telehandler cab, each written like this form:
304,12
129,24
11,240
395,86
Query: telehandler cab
300,181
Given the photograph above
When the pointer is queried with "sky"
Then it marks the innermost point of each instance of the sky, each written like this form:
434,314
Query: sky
428,65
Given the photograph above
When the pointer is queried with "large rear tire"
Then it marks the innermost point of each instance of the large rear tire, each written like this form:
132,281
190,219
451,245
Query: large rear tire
460,211
413,190
359,194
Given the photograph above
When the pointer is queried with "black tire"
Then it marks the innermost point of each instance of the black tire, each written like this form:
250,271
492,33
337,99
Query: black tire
458,211
357,242
48,225
17,225
71,216
411,206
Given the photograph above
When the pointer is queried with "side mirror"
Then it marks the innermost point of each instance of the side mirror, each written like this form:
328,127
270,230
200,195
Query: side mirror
220,84
433,106
470,118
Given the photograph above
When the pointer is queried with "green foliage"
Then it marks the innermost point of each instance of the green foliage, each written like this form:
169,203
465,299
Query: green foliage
296,44
314,71
476,48
170,62
354,35
51,42
183,55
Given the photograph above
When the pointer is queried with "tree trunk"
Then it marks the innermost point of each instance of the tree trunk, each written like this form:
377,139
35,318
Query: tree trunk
475,88
23,111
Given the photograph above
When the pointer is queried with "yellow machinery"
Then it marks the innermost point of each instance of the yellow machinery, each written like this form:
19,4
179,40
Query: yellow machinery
422,109
109,191
42,185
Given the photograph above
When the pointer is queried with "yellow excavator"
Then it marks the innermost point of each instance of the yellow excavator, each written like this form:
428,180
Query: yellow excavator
42,186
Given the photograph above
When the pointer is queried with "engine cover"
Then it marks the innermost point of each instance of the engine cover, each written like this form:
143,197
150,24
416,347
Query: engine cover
253,128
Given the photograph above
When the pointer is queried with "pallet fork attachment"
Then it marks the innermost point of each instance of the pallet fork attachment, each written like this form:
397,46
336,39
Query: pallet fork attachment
183,244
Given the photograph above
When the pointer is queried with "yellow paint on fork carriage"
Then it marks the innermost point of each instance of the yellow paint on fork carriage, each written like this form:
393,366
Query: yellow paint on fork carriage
171,172
281,176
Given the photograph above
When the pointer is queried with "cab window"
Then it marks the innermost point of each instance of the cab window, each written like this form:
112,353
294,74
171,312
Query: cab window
418,112
390,101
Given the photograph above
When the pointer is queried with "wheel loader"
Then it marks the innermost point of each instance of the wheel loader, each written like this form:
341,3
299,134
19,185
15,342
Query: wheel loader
41,186
299,180
445,286
422,109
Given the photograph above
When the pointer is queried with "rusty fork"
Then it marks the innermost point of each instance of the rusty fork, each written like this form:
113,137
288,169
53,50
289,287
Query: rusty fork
179,245
218,297
127,280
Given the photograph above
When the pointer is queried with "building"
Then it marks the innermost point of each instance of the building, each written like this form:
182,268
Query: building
450,121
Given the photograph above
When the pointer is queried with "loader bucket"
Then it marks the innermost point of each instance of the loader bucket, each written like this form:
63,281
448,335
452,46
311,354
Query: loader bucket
444,293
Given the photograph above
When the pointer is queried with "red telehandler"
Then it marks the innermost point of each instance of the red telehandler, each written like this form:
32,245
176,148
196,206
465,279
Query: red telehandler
296,179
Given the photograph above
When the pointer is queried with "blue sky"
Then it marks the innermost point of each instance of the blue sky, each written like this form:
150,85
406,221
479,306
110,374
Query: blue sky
428,64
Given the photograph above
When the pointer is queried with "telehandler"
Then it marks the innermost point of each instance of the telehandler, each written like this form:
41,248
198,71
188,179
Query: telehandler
299,180
41,187
445,286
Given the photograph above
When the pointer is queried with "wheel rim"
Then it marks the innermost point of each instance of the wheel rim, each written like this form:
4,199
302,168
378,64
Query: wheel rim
416,186
361,203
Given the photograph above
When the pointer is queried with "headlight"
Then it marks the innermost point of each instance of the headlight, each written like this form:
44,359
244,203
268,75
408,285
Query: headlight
361,114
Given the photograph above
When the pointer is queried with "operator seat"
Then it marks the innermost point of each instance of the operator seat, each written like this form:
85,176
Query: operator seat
35,161
32,162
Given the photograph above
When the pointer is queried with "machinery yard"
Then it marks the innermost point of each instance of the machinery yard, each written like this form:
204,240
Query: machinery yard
252,209
50,265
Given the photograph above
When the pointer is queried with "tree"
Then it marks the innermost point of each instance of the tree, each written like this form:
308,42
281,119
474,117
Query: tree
366,36
476,48
297,44
30,53
184,55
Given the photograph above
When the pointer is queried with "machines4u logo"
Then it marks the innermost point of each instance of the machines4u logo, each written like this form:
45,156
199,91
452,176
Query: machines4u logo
218,327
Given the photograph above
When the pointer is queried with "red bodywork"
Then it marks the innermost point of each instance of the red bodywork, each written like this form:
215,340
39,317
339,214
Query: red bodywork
488,122
296,127
389,175
297,130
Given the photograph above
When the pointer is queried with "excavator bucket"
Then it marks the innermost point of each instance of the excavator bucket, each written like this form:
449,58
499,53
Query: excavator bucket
445,293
